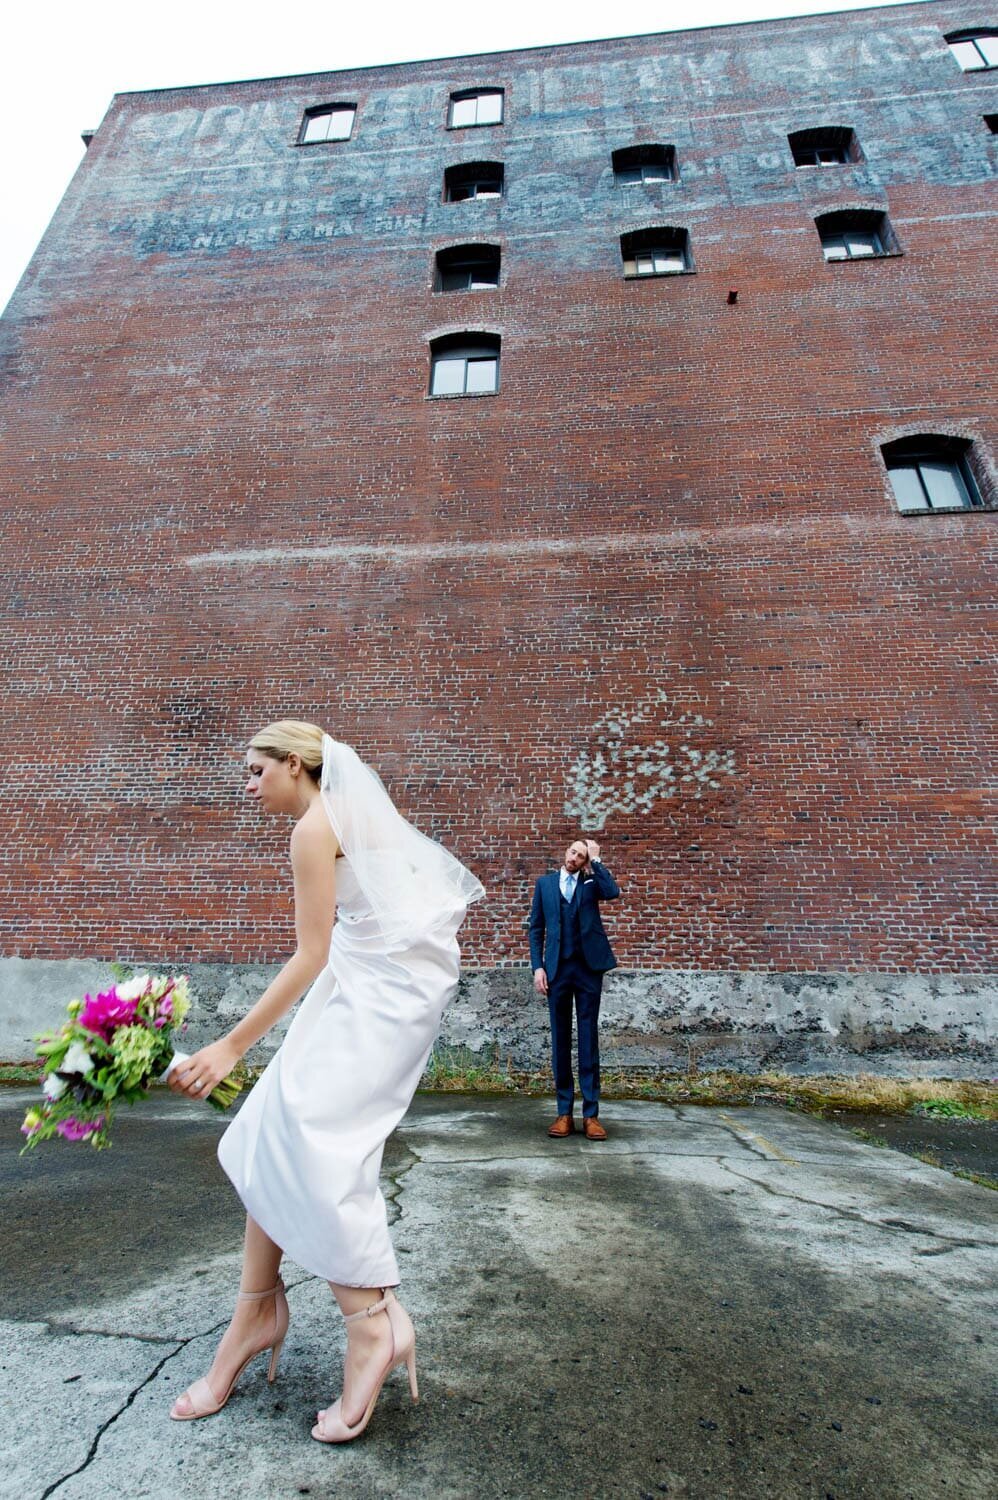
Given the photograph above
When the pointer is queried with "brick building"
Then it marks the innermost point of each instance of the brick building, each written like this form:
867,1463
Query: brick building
595,436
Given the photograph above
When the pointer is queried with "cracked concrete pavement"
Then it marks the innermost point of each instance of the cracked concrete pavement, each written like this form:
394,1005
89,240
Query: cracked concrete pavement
714,1303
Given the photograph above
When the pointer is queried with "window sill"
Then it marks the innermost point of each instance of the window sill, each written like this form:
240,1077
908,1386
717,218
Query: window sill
460,395
865,260
660,275
483,125
311,145
946,510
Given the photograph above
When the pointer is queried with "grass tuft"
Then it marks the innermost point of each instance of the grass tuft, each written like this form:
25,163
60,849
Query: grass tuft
460,1070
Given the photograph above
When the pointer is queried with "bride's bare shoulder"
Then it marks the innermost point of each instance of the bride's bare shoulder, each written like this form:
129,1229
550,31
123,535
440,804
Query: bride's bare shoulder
313,834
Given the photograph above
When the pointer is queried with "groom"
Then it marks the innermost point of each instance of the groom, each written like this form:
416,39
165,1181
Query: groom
569,954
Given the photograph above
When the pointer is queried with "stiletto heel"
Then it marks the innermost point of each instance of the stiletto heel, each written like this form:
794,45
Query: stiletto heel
275,1359
331,1427
203,1401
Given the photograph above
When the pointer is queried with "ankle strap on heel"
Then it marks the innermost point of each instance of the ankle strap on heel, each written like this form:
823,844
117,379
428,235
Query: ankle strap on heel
366,1312
259,1296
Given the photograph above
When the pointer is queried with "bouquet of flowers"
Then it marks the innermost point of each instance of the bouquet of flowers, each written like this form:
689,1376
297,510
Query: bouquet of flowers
112,1048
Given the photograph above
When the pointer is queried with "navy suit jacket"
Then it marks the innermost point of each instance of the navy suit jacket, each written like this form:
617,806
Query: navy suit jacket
595,885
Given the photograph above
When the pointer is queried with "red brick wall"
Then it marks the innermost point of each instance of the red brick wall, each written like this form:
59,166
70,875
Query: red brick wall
229,499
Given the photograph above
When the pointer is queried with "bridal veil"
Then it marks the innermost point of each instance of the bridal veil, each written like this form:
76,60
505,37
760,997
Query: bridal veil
411,883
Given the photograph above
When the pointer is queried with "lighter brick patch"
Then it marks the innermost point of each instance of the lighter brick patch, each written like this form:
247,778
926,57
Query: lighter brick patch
628,771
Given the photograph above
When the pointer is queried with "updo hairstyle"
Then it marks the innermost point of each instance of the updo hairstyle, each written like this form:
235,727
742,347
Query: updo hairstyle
292,737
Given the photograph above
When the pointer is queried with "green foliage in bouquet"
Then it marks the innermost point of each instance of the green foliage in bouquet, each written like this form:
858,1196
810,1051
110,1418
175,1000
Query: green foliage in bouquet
112,1048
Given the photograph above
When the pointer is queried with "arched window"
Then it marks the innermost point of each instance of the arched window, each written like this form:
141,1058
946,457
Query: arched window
636,164
473,179
465,364
931,472
656,252
856,234
824,146
467,268
974,50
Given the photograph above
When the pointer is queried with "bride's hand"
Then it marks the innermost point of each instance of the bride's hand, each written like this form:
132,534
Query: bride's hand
198,1074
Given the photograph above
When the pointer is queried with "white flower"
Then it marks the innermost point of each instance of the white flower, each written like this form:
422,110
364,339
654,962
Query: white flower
77,1060
132,988
54,1087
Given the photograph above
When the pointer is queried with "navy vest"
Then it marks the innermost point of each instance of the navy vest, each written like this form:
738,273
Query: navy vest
571,932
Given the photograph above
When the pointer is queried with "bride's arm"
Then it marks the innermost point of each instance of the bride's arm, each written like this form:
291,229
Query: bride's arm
313,863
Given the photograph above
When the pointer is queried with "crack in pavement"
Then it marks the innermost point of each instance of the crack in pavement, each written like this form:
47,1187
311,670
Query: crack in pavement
899,1226
181,1345
72,1331
591,1155
745,1138
95,1444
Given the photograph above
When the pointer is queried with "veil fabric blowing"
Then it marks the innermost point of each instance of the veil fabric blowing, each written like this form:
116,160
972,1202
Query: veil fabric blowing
411,884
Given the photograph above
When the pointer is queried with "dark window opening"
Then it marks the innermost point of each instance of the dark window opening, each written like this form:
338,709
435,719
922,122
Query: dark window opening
856,234
465,364
991,121
644,164
467,268
656,252
327,122
476,107
825,146
476,179
930,472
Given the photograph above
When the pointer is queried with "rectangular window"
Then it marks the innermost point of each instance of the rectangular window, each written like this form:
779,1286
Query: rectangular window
966,54
483,107
944,485
467,268
482,179
853,244
331,123
448,377
465,375
930,484
976,52
655,263
482,374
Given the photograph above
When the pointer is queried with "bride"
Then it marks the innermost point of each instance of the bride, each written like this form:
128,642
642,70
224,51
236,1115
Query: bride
377,909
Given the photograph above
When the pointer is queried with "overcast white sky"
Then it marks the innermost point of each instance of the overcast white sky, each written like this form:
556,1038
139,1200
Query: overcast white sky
63,61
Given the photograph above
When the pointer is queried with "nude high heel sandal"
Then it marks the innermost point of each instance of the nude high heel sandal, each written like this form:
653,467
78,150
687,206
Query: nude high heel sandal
204,1402
331,1427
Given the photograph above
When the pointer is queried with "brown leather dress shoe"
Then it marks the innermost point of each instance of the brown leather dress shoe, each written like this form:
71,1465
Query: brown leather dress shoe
593,1129
564,1125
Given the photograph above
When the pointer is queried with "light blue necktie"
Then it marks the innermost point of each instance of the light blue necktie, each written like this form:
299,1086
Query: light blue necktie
570,886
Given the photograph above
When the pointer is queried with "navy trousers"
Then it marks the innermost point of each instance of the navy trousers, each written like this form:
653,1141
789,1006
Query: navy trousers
575,982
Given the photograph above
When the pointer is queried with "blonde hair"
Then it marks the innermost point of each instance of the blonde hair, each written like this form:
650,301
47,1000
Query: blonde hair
292,737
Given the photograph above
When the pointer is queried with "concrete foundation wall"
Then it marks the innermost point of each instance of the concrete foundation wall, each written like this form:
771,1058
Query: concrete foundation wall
925,1025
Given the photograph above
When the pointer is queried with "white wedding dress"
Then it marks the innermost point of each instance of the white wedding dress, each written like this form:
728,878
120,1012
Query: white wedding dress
304,1152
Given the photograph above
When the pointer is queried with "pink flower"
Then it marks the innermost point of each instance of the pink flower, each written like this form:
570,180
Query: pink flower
164,1012
104,1013
78,1130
